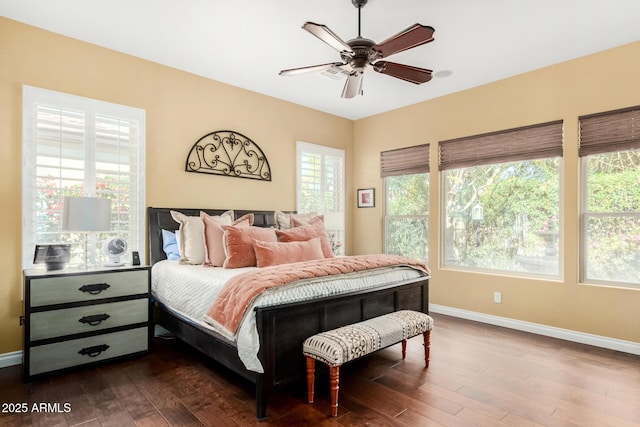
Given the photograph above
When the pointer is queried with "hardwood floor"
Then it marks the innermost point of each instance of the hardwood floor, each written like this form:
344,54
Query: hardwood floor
479,375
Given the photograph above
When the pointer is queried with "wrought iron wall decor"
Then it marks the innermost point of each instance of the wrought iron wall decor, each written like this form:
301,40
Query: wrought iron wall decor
228,153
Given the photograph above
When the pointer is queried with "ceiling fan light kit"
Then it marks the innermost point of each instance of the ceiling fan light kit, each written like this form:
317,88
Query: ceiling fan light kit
359,53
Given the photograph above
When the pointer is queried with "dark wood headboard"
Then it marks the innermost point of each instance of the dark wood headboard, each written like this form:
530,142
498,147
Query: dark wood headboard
160,219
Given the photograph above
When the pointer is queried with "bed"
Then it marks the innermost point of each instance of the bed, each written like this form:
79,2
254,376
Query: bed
281,328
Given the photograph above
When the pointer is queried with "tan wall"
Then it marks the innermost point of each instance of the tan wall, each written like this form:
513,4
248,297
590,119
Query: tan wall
180,108
599,82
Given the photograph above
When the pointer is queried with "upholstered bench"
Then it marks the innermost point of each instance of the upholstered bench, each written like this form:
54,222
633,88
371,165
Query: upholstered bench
341,345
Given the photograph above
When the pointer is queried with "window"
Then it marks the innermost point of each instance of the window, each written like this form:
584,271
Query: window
610,209
320,188
74,146
405,174
501,201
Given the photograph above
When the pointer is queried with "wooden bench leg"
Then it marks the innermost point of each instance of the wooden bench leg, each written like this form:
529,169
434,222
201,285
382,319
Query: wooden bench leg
404,349
334,374
427,347
311,377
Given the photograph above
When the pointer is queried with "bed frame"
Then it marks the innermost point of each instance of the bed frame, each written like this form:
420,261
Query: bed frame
282,328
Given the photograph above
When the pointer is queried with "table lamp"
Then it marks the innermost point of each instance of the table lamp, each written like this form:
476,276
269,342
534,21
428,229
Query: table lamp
87,215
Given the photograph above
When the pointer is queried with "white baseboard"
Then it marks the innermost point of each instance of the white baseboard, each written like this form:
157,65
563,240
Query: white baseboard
536,328
10,359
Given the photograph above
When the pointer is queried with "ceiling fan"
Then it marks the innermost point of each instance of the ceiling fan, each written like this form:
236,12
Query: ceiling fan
359,53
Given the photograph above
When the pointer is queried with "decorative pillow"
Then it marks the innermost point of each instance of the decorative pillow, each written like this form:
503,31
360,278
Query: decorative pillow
298,220
214,236
284,220
315,228
274,253
170,245
238,243
191,236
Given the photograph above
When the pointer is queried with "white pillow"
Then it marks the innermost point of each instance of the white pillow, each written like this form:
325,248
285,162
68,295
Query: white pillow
284,221
191,236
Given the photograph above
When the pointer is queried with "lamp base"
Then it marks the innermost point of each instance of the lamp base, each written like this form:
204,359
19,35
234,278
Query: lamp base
54,265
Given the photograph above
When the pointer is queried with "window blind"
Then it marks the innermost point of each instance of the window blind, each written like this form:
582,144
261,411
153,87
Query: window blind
524,143
617,130
404,161
58,163
310,176
117,169
320,184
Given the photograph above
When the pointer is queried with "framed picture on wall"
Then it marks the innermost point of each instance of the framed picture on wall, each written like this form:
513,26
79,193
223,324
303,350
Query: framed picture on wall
366,198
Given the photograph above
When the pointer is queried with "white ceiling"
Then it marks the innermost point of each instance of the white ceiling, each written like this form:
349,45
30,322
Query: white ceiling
246,43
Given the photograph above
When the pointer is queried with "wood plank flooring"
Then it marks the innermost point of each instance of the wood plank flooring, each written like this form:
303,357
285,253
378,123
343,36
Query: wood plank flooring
479,375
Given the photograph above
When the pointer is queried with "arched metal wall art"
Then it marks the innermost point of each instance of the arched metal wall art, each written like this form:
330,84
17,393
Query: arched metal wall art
228,153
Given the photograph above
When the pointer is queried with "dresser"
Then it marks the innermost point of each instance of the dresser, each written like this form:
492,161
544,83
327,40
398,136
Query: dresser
84,317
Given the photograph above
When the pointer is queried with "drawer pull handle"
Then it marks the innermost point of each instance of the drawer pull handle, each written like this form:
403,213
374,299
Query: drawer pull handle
93,351
94,289
94,320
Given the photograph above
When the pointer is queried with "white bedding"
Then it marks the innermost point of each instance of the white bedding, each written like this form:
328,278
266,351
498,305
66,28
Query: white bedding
189,290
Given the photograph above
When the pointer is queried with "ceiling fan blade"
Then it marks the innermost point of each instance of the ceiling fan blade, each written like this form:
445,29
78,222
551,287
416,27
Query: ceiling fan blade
353,85
326,35
405,72
413,36
311,68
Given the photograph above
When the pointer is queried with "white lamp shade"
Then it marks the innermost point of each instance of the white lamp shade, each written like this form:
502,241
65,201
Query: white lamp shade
86,214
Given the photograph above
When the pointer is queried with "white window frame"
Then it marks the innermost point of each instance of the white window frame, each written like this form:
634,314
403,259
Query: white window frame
334,221
33,96
560,243
387,217
584,220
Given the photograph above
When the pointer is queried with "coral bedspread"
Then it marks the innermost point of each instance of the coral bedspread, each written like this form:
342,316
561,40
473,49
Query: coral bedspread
230,305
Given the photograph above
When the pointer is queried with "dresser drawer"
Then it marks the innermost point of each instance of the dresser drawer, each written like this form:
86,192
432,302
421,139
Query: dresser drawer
65,354
68,321
87,287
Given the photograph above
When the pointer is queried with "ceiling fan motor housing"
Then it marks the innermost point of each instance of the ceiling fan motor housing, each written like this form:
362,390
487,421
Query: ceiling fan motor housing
363,53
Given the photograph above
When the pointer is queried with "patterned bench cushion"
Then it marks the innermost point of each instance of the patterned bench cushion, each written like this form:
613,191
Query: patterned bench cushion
350,342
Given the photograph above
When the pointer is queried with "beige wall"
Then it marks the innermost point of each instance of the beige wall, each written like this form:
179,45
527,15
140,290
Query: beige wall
599,82
180,108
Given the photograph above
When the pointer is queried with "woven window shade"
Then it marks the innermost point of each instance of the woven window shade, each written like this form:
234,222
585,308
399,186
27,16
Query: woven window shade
405,161
617,130
525,143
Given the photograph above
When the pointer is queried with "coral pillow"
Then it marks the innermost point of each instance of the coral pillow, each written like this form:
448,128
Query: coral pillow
214,236
315,228
238,243
191,236
274,253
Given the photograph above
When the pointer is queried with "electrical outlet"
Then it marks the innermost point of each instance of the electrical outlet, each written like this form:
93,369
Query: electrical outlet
497,297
